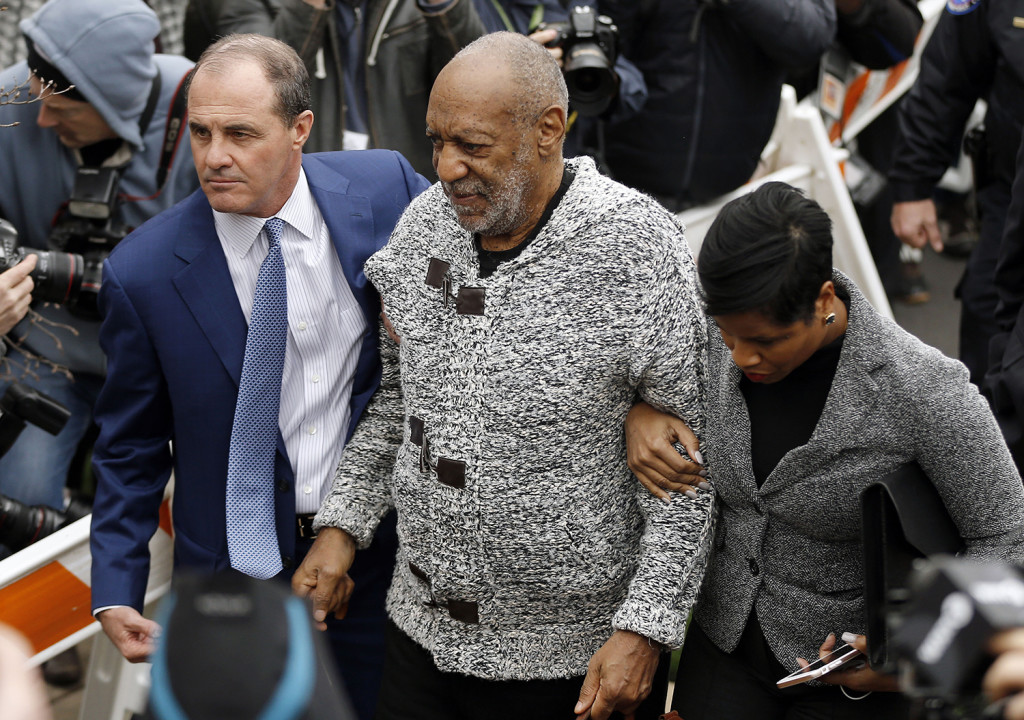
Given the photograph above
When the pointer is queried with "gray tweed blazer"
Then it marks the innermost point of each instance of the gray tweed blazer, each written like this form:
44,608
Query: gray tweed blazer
791,550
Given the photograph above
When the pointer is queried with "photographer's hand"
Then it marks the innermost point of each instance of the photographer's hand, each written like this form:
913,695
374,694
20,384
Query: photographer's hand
16,293
543,37
323,574
1006,676
132,634
860,679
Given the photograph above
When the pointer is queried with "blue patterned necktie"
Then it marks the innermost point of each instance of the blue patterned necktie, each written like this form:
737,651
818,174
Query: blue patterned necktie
252,532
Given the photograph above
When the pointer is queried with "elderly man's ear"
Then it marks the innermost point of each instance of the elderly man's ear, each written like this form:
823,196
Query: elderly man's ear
551,131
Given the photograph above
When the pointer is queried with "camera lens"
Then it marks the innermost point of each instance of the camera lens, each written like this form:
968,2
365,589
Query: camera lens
590,79
57,277
587,80
92,276
21,525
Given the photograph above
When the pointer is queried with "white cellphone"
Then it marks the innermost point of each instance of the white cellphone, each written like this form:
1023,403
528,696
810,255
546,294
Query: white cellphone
835,660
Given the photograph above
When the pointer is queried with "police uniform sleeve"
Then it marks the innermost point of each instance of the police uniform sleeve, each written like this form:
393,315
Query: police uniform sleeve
957,68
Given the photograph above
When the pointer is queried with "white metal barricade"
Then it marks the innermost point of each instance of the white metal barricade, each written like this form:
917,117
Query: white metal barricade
801,155
45,595
805,152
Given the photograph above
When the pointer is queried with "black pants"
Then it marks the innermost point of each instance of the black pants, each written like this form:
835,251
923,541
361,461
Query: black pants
357,641
714,685
977,289
414,689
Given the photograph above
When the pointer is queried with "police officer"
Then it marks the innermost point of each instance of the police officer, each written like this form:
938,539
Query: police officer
1004,381
976,52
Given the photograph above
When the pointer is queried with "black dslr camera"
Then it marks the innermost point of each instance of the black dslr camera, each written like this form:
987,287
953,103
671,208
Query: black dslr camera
589,45
20,524
940,636
82,237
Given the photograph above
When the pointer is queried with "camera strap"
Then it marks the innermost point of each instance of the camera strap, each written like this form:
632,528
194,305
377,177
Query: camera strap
147,113
176,112
536,18
172,131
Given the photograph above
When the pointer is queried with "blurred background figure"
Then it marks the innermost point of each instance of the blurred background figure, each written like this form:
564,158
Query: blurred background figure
22,694
172,18
372,62
714,71
235,647
875,34
1004,379
1005,679
12,43
976,52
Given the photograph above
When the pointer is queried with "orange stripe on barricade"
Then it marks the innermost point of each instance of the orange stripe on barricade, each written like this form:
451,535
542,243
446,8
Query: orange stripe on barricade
47,605
895,73
165,517
853,95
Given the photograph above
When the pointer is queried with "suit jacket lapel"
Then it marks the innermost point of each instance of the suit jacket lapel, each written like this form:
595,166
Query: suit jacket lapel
850,404
728,410
206,287
347,217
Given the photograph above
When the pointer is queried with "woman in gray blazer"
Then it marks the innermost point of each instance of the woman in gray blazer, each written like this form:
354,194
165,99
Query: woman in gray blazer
812,395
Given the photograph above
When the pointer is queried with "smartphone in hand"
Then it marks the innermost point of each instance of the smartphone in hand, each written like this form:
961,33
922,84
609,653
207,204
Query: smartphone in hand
840,658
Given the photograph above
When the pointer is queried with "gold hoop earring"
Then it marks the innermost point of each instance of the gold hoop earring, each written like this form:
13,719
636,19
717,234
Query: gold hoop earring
830,318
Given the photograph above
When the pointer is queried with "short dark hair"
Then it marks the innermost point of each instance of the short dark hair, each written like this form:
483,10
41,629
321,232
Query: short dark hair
280,63
769,251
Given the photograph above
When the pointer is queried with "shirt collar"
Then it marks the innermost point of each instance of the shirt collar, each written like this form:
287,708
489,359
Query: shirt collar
300,211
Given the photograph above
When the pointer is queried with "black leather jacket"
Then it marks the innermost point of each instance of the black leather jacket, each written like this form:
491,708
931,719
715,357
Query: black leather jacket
714,71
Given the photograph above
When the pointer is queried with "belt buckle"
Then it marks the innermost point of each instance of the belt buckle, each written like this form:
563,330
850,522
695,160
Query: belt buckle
305,527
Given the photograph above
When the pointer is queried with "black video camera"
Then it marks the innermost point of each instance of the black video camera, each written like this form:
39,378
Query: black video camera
82,237
941,635
589,45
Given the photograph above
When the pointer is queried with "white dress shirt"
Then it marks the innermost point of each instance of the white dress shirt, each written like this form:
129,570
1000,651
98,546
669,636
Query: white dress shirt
325,331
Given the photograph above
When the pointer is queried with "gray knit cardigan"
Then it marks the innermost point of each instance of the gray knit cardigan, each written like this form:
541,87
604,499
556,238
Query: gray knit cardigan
791,549
506,441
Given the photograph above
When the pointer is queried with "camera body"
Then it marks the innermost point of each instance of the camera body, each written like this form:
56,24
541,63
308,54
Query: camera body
20,524
82,237
589,45
940,636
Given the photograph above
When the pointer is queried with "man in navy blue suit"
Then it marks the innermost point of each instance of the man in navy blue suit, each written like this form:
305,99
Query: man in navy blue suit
176,299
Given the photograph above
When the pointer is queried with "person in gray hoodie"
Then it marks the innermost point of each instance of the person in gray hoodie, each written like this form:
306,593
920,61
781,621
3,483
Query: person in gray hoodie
92,94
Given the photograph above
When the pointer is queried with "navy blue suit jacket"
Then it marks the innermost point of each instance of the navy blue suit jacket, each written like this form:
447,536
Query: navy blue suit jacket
174,336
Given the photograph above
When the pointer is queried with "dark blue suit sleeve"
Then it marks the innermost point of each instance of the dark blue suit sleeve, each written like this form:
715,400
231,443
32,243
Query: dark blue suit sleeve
414,182
132,456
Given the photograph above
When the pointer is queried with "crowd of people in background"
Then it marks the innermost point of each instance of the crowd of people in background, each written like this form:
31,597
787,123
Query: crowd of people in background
534,434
